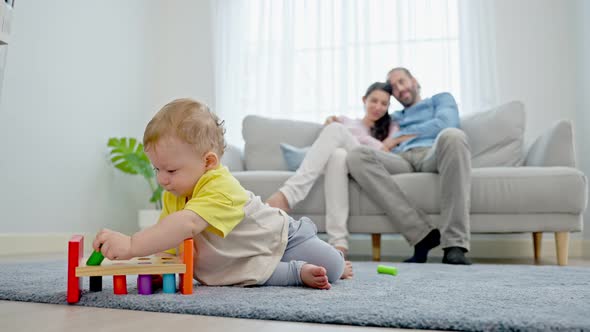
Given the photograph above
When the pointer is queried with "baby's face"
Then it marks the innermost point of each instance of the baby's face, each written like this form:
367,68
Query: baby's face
177,165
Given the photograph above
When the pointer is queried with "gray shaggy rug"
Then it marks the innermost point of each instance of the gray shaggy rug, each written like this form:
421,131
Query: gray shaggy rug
421,296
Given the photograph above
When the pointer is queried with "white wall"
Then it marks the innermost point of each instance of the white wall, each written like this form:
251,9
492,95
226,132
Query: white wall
78,73
583,99
542,50
536,50
182,42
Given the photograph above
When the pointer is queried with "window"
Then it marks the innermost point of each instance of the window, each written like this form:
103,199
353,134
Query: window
309,59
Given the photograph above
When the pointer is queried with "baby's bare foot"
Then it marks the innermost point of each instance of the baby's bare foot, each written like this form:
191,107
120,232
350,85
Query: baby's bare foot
279,200
315,276
347,274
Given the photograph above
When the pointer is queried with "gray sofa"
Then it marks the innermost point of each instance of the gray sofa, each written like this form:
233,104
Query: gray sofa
513,190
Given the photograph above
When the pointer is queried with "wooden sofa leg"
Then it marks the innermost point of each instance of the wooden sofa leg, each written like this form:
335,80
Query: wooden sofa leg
537,238
562,245
376,239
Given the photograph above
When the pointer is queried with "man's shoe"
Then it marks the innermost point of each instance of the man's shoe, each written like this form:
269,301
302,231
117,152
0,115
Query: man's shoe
455,256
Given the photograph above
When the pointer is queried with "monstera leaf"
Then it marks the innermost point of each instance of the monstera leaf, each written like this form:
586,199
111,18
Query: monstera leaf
157,195
127,155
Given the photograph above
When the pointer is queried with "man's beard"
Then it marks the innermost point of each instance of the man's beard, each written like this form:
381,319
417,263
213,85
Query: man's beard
412,100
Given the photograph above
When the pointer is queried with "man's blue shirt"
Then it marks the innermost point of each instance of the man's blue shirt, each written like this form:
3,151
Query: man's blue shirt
426,119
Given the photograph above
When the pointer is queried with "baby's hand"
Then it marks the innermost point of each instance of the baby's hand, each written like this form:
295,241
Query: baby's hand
113,245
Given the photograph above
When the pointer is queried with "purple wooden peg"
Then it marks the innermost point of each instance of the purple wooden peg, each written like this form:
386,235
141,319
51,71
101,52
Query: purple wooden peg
144,284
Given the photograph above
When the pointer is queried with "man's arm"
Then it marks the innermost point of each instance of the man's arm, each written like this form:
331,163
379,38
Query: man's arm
446,116
390,143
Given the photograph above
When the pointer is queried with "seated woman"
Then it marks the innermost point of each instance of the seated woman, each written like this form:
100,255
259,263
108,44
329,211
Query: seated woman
327,155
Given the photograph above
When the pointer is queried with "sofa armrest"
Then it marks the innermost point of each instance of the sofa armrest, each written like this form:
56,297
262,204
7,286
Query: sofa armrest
554,148
232,158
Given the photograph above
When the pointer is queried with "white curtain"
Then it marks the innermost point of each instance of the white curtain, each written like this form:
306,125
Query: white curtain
308,59
477,40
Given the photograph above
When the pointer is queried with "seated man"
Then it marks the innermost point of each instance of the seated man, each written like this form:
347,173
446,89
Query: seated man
428,141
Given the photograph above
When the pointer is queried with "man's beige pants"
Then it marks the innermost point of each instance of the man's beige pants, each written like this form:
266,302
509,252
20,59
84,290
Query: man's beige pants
450,157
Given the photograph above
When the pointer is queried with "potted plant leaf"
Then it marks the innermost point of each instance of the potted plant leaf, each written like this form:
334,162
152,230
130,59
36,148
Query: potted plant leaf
127,155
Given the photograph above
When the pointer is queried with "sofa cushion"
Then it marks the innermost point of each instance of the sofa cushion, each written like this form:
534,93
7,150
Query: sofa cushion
265,183
293,155
262,137
494,190
496,137
497,190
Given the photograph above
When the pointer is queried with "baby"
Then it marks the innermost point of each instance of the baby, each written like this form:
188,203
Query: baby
239,240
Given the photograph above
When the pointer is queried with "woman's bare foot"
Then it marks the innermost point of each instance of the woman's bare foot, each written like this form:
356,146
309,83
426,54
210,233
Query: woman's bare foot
315,276
343,250
279,200
347,273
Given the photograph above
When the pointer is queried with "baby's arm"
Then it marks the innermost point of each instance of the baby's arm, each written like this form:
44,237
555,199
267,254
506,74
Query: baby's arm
167,233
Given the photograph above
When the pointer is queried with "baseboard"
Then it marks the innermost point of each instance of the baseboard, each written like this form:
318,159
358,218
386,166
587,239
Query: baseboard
57,243
480,248
39,243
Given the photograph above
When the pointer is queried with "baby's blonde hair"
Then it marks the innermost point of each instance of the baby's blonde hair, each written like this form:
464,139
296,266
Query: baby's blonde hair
190,121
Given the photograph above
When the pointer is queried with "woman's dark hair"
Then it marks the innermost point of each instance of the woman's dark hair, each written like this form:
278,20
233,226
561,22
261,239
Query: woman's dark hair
380,129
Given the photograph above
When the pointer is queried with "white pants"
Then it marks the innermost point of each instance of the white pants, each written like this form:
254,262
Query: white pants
327,155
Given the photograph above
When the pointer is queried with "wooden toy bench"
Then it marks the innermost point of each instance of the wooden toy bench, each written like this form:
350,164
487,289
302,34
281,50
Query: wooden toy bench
143,267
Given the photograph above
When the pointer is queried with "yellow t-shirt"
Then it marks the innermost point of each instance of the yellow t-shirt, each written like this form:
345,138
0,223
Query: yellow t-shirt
218,198
245,239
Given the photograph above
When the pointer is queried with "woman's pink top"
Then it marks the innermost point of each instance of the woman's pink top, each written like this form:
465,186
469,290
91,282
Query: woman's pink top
363,133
